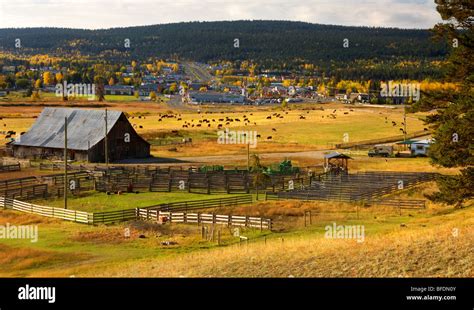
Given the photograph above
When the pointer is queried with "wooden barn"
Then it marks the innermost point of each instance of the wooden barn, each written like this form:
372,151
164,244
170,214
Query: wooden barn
85,135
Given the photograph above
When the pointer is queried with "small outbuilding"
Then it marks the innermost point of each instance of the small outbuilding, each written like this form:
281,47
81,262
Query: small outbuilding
86,132
336,163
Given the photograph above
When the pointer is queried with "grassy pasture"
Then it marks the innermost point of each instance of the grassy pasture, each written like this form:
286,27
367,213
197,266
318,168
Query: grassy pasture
98,202
418,243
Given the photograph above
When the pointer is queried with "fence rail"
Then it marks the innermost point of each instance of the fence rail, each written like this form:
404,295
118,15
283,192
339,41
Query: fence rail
399,203
109,217
12,167
203,218
65,214
203,204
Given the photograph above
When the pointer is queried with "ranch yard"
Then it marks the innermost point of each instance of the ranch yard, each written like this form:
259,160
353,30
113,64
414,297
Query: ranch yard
229,231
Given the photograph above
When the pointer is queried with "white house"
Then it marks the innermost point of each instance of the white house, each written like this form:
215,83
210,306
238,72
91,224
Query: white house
420,148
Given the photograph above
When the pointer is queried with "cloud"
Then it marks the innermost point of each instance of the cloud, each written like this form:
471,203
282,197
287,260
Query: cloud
95,14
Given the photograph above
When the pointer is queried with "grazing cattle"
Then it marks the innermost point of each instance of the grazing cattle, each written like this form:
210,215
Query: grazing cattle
140,126
269,137
259,136
274,129
269,117
425,129
346,112
302,117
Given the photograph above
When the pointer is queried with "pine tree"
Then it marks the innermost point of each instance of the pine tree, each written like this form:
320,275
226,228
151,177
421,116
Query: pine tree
453,122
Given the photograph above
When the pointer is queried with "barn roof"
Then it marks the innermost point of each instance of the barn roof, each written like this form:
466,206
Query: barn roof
85,127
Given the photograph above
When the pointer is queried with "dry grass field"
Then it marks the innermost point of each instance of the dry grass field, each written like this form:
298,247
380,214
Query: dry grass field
323,125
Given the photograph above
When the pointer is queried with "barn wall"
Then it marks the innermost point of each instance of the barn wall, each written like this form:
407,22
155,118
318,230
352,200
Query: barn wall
118,148
50,153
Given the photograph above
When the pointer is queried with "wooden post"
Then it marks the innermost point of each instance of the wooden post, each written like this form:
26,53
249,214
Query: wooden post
304,218
310,218
65,163
219,237
106,147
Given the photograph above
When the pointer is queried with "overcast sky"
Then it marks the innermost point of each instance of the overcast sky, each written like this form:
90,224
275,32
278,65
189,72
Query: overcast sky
95,14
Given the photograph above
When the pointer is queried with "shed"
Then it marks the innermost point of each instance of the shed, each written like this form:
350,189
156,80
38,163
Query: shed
86,136
336,162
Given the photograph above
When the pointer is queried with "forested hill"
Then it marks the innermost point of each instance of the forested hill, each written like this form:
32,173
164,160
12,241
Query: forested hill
262,41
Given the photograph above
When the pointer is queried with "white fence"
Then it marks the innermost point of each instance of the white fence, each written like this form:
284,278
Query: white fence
203,218
65,214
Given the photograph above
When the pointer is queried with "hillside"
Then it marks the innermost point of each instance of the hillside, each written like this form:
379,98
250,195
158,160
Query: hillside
263,41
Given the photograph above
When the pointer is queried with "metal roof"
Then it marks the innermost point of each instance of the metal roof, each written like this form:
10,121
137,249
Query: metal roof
336,155
85,127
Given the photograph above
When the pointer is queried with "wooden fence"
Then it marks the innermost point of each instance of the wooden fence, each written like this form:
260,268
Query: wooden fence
64,214
109,217
398,203
203,218
203,204
12,167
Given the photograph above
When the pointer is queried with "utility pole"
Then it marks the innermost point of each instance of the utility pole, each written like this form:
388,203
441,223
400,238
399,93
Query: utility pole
405,121
106,147
248,157
65,163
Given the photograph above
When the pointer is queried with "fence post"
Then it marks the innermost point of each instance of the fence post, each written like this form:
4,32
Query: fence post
219,237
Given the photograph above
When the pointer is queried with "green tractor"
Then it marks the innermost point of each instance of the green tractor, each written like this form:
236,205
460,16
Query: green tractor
283,168
214,168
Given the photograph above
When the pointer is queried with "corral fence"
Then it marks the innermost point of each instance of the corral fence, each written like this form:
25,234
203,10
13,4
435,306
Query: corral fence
130,214
203,218
60,213
12,167
203,204
23,188
109,217
411,204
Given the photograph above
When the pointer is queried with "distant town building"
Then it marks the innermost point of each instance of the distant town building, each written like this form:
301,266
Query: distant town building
118,90
214,97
